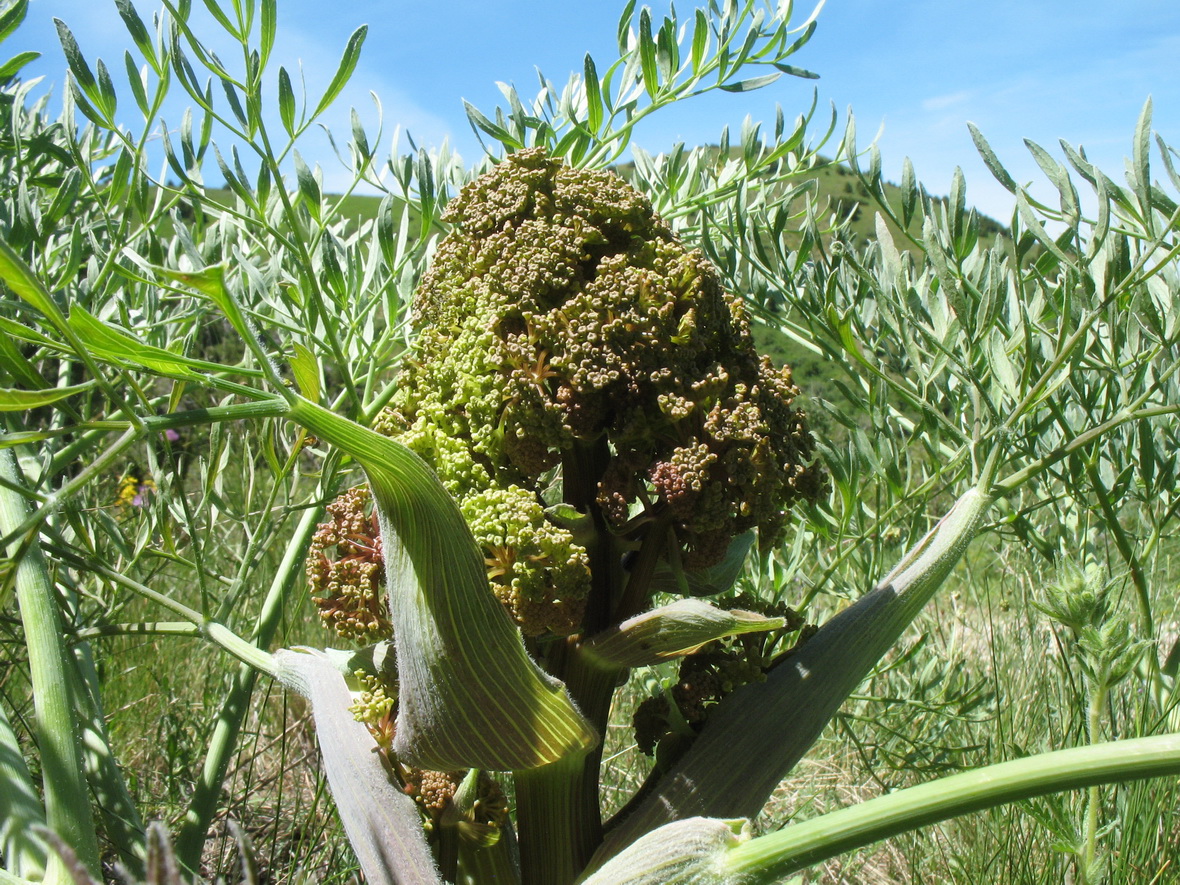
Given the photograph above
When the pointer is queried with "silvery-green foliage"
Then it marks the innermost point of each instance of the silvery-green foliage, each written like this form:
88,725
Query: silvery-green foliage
158,318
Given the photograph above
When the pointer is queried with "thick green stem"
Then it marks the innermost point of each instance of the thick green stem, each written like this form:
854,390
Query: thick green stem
67,800
771,858
223,743
557,808
499,863
554,816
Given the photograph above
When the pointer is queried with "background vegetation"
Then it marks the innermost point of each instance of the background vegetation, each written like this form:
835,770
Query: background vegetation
927,341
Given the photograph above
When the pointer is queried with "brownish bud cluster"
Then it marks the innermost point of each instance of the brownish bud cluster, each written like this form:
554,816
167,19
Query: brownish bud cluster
437,794
561,315
346,570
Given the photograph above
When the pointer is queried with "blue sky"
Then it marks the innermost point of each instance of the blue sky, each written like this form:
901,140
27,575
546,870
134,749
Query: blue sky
917,70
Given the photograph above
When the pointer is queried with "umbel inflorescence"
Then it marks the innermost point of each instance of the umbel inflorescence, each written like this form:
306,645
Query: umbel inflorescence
592,398
570,346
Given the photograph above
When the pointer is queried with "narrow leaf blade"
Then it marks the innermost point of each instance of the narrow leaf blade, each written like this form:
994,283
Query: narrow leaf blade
672,631
16,400
348,62
752,83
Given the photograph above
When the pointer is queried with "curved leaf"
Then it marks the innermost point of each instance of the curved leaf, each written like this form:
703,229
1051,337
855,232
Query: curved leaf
470,696
758,733
381,822
17,400
671,631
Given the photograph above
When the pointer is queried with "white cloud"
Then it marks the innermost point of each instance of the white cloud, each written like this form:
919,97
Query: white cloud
942,102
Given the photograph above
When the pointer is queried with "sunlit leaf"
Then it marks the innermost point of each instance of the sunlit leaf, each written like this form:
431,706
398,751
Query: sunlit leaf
469,695
593,95
752,83
672,631
307,372
15,400
348,62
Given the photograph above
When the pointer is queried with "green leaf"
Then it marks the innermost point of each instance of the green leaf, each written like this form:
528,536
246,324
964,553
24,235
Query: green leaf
752,83
623,31
686,852
1056,174
215,10
111,344
667,51
1140,154
796,72
647,54
17,366
671,631
286,102
909,192
106,89
12,17
991,160
12,67
469,695
381,822
426,195
83,76
16,400
307,371
957,207
235,103
269,28
758,733
20,278
1001,364
700,40
309,188
707,581
138,92
348,61
1038,230
479,121
593,95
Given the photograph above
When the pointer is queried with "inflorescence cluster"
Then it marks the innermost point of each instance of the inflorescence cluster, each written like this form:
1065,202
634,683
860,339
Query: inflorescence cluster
562,315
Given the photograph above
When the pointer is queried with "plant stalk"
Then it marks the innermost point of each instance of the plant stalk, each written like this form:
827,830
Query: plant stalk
769,859
67,800
223,743
1094,794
